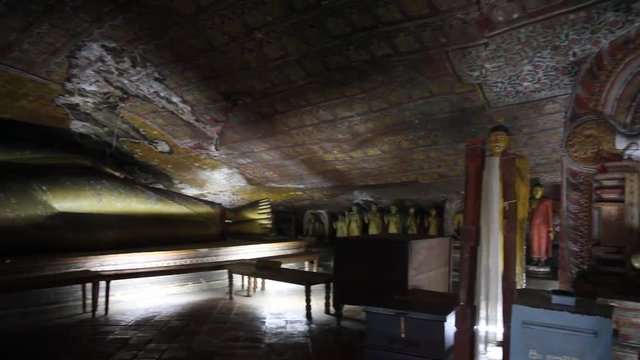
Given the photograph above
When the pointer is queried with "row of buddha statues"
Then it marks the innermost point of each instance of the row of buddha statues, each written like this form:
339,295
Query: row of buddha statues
373,221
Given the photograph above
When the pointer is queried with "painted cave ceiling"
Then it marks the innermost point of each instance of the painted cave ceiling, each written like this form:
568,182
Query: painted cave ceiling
299,99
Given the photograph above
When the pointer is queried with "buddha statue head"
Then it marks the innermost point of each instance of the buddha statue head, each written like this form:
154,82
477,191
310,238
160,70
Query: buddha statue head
412,210
498,140
394,209
537,191
374,207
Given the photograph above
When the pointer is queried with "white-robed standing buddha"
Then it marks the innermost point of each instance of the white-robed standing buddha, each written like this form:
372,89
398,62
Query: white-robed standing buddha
490,284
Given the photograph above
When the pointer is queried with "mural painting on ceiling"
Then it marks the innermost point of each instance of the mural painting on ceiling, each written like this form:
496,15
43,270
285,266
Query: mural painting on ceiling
113,96
103,76
542,59
145,79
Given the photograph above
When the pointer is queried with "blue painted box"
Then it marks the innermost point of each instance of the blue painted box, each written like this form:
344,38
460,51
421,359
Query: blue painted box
545,331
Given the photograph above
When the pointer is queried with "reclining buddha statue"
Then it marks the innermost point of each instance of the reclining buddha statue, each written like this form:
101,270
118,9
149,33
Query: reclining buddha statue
53,206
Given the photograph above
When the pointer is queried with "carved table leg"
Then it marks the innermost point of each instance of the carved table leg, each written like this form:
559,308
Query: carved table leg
95,293
242,282
249,285
327,298
231,284
84,297
307,298
106,296
263,284
338,309
255,284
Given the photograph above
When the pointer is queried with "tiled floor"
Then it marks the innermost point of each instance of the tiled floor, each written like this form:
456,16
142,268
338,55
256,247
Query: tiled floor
201,325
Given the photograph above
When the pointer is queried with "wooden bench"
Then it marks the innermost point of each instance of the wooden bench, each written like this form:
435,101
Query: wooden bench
109,275
306,257
34,282
291,276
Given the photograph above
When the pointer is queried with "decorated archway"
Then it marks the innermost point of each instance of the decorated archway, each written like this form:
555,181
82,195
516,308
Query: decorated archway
603,119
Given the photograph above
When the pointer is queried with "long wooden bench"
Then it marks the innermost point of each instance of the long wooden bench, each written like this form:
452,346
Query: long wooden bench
110,275
120,274
34,282
185,261
291,276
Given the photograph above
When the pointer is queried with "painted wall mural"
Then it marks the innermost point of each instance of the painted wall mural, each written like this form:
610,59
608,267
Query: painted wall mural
542,59
103,76
299,100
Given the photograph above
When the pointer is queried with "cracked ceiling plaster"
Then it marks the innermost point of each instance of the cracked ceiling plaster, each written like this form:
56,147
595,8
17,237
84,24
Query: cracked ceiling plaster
301,100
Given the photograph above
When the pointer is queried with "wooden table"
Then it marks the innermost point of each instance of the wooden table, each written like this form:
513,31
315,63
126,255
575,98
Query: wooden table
306,257
33,282
291,276
109,275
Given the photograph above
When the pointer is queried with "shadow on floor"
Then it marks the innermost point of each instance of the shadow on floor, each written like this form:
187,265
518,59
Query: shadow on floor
201,325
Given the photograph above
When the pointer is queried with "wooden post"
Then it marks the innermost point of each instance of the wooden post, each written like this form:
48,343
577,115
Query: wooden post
465,312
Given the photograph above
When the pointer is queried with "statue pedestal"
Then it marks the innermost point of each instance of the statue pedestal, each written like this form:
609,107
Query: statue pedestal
539,270
541,277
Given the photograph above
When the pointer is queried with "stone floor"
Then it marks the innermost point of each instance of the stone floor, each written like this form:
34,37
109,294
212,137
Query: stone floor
200,325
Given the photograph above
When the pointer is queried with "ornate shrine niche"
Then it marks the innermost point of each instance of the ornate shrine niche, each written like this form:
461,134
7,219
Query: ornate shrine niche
602,119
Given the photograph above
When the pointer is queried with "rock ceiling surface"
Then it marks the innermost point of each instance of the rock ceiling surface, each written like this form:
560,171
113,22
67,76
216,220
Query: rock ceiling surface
300,99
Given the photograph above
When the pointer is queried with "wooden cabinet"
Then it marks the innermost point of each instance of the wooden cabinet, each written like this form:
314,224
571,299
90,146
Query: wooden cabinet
616,215
368,268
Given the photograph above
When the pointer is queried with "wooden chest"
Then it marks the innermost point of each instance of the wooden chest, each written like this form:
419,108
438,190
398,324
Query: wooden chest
411,327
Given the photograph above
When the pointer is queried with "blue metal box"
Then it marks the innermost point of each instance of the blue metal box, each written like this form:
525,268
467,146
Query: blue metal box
545,331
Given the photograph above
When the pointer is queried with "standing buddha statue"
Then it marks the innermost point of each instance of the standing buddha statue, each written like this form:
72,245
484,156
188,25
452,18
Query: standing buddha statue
432,223
411,223
342,225
495,287
374,220
392,220
541,226
354,222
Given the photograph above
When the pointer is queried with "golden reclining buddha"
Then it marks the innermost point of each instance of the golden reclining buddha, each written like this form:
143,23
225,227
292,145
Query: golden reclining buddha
55,206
